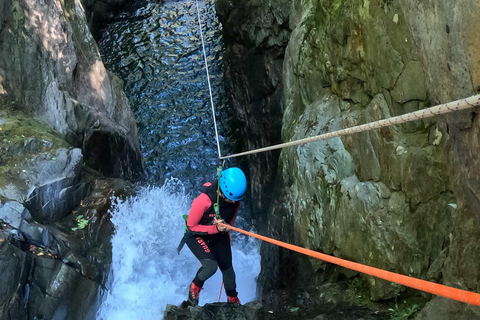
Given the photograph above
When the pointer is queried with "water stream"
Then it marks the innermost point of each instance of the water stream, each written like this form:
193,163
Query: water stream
147,273
155,48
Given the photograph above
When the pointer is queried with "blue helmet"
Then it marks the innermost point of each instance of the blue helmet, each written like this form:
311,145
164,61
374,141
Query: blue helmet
233,183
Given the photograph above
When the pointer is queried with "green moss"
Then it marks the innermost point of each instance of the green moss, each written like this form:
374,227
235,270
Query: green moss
3,177
3,199
336,5
17,130
21,137
359,291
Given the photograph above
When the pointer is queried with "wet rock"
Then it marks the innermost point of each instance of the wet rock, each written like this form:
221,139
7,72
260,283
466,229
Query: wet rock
60,270
219,311
55,191
53,201
13,213
35,233
15,267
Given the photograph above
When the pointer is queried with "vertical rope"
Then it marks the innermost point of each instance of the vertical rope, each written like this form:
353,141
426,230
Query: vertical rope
220,294
208,79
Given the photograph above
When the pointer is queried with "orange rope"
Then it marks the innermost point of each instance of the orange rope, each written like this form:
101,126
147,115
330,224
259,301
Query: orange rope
434,288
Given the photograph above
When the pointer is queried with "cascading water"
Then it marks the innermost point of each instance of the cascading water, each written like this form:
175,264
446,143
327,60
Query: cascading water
147,272
156,50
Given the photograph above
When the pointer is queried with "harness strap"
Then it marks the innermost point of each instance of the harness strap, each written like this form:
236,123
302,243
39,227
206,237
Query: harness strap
216,206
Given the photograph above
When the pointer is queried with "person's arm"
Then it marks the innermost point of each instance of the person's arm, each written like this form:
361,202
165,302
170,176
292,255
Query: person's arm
199,205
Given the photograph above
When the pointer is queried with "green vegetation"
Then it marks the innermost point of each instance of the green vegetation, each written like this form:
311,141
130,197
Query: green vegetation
81,223
17,130
337,4
358,290
403,311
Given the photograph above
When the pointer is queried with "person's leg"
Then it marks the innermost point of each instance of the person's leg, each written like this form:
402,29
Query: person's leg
208,269
223,254
202,251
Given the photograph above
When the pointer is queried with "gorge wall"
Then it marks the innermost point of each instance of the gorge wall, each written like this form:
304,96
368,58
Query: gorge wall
403,198
50,68
65,125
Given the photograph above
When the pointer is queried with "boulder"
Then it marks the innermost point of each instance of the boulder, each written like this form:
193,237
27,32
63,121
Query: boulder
13,213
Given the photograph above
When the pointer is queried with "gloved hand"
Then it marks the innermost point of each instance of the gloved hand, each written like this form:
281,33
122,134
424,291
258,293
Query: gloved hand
222,228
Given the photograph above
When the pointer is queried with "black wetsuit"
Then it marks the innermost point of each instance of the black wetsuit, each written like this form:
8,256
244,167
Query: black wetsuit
212,248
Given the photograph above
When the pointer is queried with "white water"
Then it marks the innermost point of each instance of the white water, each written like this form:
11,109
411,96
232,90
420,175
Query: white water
147,274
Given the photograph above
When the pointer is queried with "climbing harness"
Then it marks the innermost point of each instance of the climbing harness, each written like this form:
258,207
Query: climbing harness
216,206
216,209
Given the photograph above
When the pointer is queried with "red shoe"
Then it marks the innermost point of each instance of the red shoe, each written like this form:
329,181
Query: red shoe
194,293
233,300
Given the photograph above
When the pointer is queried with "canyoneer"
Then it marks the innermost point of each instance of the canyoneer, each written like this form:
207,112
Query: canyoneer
209,241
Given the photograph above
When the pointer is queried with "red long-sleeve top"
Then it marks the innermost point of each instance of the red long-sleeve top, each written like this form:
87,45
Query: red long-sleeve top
200,218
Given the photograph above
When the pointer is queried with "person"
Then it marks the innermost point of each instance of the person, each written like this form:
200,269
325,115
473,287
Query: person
210,242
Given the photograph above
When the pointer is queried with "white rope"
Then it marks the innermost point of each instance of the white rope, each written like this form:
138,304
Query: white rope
421,114
208,80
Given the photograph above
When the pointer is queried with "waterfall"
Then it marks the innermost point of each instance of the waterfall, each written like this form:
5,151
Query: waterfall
147,274
155,49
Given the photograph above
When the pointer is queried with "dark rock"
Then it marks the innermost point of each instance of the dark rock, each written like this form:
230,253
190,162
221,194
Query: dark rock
219,311
14,269
53,201
256,34
13,213
35,233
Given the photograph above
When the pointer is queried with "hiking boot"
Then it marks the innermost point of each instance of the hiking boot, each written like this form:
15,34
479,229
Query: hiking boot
233,300
194,293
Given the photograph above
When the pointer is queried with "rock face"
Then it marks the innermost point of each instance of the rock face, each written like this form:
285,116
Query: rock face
48,271
403,198
334,306
50,67
256,34
213,311
61,112
101,12
51,268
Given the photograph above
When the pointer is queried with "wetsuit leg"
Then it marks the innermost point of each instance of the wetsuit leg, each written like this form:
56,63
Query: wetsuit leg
201,248
223,254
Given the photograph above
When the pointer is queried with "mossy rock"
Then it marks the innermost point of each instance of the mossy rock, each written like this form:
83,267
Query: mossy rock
21,138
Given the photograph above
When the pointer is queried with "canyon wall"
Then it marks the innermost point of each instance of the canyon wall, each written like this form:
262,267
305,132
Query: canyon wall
404,198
